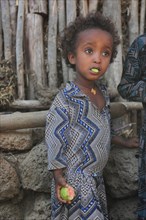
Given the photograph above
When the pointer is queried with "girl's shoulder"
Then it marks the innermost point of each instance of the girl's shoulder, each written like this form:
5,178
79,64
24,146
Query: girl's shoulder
62,97
102,85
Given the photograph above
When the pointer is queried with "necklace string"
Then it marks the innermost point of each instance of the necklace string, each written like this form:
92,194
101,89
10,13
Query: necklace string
92,90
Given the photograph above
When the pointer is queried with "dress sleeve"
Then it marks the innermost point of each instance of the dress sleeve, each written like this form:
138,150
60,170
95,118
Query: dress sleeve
133,83
56,137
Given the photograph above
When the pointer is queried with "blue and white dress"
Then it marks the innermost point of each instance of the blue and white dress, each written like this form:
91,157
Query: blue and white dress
133,88
78,138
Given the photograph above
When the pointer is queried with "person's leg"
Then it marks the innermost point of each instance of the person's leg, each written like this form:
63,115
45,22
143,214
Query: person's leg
141,211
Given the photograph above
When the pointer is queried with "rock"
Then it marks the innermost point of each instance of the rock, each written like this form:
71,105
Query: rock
37,206
16,140
124,209
121,172
9,181
34,170
9,211
38,134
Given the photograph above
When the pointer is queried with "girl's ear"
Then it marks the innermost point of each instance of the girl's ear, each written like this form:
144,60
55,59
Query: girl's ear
71,58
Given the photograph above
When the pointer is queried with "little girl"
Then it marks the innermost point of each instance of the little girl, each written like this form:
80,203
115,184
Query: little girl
78,126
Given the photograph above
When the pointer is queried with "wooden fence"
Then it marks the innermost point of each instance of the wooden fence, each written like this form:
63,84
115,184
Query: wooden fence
28,42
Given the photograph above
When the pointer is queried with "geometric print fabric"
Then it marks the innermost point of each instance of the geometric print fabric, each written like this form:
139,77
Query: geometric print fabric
78,139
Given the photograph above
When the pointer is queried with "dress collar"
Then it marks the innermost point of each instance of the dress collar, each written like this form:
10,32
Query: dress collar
73,90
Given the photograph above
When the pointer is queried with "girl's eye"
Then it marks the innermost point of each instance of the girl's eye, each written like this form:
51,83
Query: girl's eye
89,50
106,53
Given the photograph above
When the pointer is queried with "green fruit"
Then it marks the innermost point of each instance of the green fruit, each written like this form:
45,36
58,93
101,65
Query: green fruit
95,70
64,193
67,193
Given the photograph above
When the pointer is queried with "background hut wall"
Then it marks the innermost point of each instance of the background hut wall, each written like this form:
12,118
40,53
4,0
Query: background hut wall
29,31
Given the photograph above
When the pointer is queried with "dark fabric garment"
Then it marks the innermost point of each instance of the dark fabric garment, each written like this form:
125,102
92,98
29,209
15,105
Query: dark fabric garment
133,88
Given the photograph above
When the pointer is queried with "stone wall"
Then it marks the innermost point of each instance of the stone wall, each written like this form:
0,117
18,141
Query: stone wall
25,180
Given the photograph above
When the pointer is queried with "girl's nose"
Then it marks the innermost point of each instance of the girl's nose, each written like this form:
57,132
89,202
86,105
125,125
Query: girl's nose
97,58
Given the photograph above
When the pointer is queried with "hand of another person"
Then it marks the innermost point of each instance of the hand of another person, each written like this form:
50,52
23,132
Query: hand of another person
132,142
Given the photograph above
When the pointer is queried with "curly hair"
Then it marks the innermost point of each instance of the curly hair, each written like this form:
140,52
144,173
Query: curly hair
68,36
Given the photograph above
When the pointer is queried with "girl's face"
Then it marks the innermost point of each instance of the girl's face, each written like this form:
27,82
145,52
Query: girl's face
92,55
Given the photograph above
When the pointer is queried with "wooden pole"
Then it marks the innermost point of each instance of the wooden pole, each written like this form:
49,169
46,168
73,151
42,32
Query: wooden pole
61,26
83,6
19,50
6,26
38,7
52,43
142,16
28,105
71,13
22,120
13,20
120,108
114,72
19,120
34,52
93,4
133,21
1,43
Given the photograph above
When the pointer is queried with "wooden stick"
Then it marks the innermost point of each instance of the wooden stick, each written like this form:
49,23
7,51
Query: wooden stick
52,41
13,28
27,105
142,16
113,75
120,108
39,7
93,4
37,119
83,5
22,120
71,13
6,29
19,50
61,25
133,21
1,43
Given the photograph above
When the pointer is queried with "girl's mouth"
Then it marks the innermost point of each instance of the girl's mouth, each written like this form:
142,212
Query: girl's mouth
95,70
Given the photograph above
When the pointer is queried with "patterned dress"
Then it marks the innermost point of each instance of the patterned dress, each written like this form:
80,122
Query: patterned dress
78,139
133,88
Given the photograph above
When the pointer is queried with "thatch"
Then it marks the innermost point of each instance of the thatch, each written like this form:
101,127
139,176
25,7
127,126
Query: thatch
7,83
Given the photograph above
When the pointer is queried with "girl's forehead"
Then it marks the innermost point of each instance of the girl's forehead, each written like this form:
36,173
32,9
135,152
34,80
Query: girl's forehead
94,35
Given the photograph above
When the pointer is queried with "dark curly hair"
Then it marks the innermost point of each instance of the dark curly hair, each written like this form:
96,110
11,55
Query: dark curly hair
68,37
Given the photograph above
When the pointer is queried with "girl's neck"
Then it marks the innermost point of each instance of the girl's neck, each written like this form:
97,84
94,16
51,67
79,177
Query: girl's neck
87,87
85,83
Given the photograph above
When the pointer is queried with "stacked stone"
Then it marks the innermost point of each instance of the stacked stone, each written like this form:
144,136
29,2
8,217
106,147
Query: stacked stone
25,180
121,174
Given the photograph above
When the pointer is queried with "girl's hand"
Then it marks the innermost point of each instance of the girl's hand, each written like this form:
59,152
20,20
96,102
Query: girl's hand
59,182
132,142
